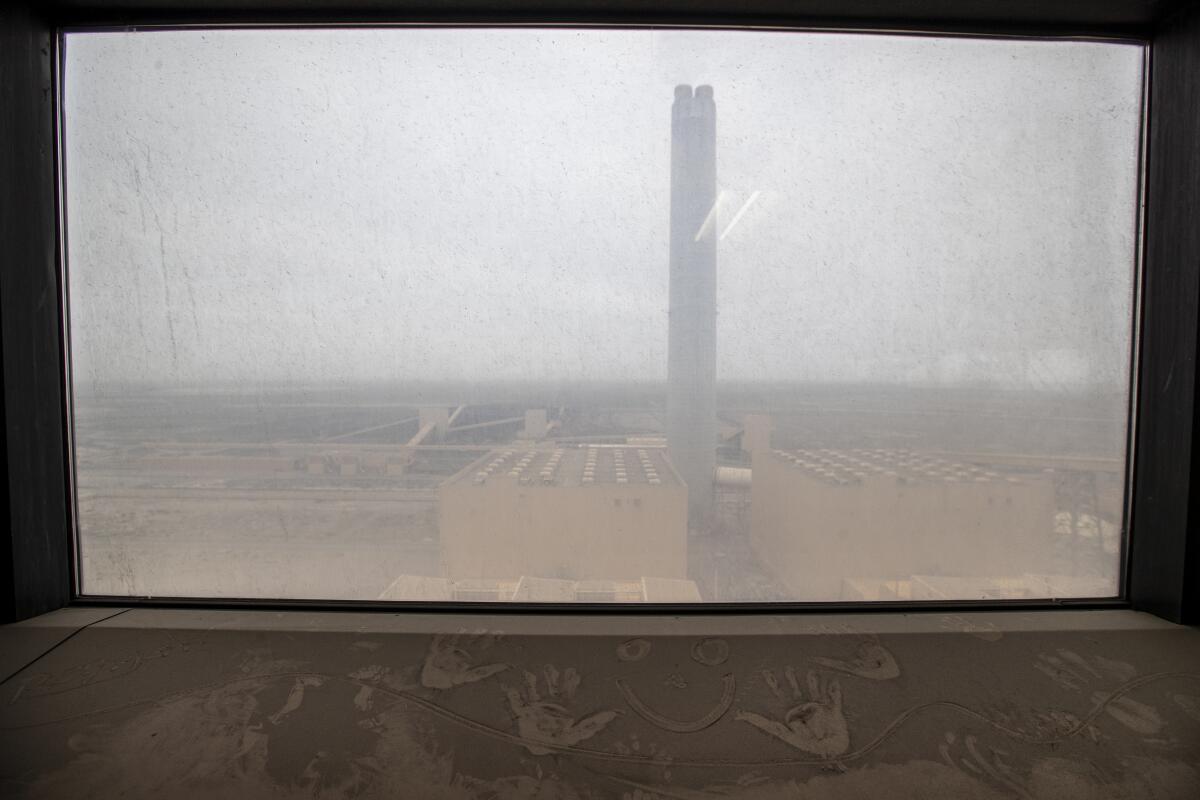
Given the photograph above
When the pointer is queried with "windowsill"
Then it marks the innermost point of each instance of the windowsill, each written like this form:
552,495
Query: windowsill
196,702
752,623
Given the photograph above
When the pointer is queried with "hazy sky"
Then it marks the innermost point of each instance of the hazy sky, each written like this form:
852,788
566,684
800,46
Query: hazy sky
475,204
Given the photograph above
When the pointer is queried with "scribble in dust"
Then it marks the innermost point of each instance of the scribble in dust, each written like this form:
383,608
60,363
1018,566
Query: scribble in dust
1074,672
976,627
710,652
364,699
681,726
1077,673
402,679
295,698
96,671
633,650
1138,717
871,660
651,760
990,763
448,665
1189,703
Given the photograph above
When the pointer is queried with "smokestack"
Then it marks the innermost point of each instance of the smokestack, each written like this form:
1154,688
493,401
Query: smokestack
692,333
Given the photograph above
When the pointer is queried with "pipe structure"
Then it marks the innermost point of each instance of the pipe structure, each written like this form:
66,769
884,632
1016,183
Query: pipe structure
692,327
733,477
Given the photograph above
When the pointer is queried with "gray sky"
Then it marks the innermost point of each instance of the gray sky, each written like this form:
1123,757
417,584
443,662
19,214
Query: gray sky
356,204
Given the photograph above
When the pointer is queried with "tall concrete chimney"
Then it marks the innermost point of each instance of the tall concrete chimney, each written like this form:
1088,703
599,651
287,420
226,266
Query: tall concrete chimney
692,332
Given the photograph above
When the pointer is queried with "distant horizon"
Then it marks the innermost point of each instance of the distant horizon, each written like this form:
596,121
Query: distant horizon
729,386
479,390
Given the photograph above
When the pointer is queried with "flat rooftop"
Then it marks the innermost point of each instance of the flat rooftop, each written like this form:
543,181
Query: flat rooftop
572,466
528,588
850,467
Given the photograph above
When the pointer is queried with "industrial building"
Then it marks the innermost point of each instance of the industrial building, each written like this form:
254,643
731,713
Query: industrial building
570,513
541,590
847,524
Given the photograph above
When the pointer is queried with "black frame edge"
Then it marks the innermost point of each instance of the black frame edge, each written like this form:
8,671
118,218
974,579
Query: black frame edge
609,609
1123,18
36,535
35,546
1163,567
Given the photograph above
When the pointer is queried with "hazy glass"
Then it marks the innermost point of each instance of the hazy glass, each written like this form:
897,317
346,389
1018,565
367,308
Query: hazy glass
388,314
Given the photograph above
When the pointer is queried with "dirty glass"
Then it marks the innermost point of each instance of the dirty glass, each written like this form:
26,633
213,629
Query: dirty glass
599,315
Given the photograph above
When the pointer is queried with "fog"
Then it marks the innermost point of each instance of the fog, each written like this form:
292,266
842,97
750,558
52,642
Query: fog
315,206
382,314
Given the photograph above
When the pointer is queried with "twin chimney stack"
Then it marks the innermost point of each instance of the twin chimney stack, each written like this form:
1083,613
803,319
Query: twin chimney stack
692,331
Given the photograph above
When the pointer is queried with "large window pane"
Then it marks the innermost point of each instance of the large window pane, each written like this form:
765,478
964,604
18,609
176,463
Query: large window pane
603,315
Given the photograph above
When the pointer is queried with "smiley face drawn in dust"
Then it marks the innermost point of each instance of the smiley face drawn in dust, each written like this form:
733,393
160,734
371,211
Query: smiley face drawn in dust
673,688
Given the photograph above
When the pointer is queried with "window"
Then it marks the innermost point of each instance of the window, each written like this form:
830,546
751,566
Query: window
599,315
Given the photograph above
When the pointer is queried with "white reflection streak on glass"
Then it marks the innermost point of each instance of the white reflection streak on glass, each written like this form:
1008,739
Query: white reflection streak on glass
741,211
711,219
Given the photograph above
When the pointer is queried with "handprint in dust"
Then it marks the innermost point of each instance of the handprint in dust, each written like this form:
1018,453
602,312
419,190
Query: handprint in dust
815,725
548,725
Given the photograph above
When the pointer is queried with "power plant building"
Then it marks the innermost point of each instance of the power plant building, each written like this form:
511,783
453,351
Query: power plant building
827,523
569,513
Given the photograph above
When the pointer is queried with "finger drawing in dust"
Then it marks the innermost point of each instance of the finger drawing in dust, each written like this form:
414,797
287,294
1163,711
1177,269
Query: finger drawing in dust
816,725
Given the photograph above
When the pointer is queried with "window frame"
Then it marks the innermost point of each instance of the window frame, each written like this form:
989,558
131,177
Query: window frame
37,551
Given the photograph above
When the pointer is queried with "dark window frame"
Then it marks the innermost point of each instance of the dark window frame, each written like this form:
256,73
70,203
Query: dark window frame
1162,565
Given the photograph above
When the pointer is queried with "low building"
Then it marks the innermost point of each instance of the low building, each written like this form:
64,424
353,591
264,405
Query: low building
1015,587
571,513
819,517
541,590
